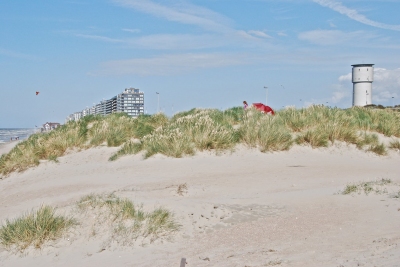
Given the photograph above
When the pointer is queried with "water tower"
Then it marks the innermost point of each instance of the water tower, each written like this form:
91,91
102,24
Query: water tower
363,76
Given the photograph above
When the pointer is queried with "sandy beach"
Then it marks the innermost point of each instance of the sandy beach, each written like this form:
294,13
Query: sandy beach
239,208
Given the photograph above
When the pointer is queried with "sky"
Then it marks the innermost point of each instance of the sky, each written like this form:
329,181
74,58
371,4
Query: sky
195,54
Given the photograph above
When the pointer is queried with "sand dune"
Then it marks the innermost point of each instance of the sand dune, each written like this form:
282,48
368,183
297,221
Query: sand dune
240,208
6,147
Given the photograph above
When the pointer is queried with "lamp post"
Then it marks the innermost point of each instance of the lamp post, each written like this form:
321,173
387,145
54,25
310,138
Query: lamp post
393,101
158,102
266,95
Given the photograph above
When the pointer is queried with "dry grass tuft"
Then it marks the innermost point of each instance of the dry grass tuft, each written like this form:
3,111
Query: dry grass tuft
182,189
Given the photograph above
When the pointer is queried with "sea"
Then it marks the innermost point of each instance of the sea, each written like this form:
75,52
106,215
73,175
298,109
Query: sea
22,133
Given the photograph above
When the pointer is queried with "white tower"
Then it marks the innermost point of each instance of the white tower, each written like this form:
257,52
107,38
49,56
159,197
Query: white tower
363,76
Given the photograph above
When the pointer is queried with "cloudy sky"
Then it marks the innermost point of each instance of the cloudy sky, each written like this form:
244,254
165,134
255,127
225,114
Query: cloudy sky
206,54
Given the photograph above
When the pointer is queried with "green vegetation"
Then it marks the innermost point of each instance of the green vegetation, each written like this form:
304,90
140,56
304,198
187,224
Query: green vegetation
126,222
129,222
367,187
34,229
395,144
210,129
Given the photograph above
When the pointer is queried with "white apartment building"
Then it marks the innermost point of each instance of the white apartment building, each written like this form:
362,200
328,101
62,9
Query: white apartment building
131,101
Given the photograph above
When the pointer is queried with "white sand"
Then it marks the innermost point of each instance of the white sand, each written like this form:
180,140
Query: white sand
241,209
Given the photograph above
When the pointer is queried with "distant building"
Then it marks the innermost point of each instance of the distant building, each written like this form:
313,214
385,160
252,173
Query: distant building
131,101
48,126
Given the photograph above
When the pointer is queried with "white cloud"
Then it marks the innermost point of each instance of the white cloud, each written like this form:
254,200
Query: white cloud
183,41
98,37
338,96
218,30
354,15
259,34
170,64
333,37
177,41
182,13
131,30
345,78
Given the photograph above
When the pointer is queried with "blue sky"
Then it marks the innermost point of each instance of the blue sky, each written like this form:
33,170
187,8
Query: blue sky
206,54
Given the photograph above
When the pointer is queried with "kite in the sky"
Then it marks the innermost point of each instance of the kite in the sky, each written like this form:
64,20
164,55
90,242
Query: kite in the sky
37,92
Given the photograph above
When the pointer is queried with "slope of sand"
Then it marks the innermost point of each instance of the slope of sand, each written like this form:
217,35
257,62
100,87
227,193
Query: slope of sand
240,209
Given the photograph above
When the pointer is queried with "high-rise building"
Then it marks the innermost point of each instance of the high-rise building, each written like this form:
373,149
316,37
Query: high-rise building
131,101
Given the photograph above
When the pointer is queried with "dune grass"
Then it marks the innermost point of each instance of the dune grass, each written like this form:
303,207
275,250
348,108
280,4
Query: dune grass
34,229
376,187
395,144
129,221
210,129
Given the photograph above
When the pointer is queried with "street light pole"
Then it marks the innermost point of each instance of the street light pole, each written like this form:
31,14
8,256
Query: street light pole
393,101
266,95
158,102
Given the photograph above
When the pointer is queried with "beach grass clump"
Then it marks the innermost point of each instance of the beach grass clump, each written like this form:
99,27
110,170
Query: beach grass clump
314,137
366,139
395,144
377,120
186,133
269,133
169,141
159,222
296,120
233,115
128,221
376,187
34,229
379,149
350,189
371,142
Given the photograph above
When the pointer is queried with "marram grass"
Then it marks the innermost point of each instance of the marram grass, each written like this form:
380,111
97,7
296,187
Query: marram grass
209,129
129,221
34,229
